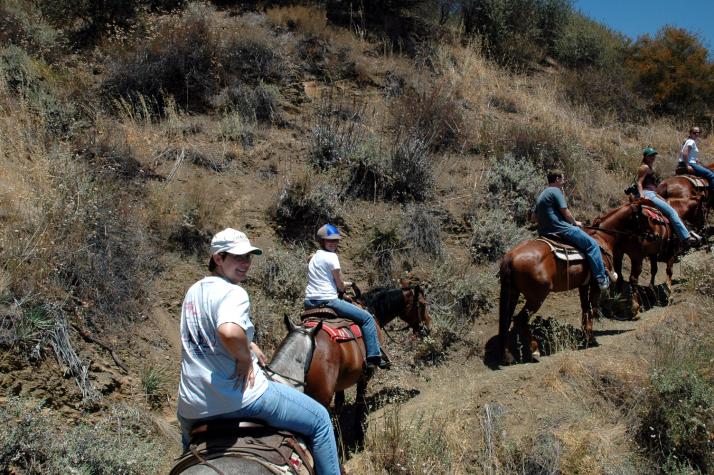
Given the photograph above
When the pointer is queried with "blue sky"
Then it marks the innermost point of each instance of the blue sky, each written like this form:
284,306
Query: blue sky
638,17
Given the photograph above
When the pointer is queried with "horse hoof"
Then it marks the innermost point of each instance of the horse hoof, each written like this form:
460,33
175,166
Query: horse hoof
535,356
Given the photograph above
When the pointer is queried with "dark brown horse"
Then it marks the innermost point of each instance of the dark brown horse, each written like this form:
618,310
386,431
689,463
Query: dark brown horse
531,269
408,303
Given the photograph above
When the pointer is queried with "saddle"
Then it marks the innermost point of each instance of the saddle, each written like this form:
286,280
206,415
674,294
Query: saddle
654,214
562,251
698,183
340,329
278,450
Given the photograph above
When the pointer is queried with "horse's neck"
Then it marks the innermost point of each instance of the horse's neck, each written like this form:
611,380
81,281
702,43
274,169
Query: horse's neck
292,357
616,221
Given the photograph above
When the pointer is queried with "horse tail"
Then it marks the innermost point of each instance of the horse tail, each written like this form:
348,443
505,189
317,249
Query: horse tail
507,302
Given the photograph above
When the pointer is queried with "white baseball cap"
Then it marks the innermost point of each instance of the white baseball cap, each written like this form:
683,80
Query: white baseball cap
233,241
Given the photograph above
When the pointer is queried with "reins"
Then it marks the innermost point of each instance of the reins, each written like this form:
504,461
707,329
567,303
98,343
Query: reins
271,373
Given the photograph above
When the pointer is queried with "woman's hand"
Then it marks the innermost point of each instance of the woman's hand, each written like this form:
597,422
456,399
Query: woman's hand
262,360
245,377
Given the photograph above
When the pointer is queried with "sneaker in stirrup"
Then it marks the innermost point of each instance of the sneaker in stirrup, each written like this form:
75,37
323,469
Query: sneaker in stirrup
603,282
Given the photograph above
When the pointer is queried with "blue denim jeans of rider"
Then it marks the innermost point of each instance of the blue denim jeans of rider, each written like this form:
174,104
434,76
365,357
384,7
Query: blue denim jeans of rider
679,228
704,172
361,317
283,407
581,240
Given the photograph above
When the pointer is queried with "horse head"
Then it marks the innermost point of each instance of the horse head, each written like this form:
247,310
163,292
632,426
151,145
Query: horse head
292,359
416,311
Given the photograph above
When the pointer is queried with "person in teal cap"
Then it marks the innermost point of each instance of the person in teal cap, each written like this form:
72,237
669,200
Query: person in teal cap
647,188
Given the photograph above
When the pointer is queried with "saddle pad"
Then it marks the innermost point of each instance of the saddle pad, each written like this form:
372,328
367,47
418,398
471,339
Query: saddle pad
563,251
696,181
283,451
655,214
338,333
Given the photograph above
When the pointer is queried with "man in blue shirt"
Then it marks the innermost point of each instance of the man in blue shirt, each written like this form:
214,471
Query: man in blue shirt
555,220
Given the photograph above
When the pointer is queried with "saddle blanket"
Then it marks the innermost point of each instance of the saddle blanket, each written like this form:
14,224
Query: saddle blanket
655,214
563,251
699,183
344,333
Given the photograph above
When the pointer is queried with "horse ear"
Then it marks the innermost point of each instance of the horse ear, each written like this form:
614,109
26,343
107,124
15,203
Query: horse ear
313,331
357,291
288,323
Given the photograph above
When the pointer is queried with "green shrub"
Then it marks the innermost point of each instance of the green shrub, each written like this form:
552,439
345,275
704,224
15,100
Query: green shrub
431,112
679,414
27,78
303,207
494,232
367,171
253,104
516,31
513,185
281,274
422,231
412,170
383,247
458,296
180,61
585,42
33,441
25,27
337,133
156,384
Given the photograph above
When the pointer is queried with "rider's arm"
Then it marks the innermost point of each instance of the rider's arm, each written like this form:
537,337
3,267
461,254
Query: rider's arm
339,280
569,217
235,340
641,175
259,354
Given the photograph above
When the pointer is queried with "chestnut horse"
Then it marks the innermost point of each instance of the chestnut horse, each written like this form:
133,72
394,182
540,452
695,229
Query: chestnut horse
532,270
661,244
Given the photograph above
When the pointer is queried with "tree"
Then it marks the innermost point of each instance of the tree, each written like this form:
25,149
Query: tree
672,71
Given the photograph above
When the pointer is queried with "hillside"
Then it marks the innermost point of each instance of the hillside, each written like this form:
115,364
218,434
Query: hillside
122,157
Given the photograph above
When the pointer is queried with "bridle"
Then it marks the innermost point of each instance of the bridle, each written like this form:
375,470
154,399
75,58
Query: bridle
271,374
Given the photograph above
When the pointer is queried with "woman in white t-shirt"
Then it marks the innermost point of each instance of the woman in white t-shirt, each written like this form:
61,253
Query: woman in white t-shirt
689,157
325,282
220,373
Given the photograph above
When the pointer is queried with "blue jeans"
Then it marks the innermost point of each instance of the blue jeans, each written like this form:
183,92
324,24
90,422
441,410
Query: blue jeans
285,408
671,214
580,239
361,317
704,172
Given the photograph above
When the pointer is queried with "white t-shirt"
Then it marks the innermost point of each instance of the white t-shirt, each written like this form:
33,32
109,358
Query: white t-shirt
208,386
320,281
693,153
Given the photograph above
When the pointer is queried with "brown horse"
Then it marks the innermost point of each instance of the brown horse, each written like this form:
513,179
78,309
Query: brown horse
408,303
531,269
659,245
691,202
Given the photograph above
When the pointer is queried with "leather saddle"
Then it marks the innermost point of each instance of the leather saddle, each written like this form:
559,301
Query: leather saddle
281,449
697,182
562,251
339,328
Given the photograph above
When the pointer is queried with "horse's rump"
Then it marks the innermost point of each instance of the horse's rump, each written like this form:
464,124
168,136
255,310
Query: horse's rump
279,450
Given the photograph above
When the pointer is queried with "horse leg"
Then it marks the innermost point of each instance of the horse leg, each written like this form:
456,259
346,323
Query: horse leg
617,257
528,344
339,401
361,403
508,299
636,269
670,265
653,270
586,309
